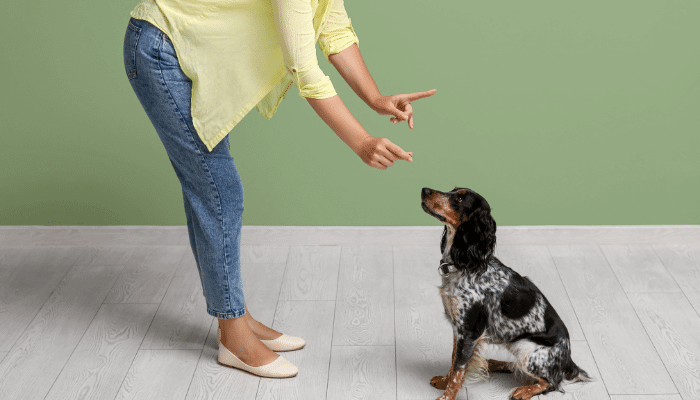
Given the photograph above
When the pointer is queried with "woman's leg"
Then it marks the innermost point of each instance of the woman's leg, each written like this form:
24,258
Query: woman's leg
211,187
260,330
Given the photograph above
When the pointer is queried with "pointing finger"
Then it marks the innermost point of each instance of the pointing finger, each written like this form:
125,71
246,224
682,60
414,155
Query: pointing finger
409,109
419,95
398,151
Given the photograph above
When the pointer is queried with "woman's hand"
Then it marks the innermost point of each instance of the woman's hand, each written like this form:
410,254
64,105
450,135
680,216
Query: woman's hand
375,152
381,153
399,105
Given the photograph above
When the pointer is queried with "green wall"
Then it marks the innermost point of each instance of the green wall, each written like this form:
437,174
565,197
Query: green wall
561,113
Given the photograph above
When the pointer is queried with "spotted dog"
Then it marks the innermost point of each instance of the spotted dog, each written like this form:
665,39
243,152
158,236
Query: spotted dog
487,302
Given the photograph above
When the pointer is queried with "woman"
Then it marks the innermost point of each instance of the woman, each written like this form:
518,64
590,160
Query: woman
198,68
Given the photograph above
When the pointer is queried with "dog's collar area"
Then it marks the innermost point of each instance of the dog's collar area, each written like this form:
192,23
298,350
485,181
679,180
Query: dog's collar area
444,268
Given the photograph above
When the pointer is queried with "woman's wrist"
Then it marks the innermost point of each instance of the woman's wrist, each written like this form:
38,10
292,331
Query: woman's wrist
373,101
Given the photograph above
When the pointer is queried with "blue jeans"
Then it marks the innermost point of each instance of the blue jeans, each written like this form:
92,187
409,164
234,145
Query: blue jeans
211,187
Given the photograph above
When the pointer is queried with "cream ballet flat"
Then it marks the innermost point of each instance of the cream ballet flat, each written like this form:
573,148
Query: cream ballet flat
280,368
282,343
285,343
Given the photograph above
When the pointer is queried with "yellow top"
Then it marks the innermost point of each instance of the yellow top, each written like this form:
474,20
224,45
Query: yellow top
243,53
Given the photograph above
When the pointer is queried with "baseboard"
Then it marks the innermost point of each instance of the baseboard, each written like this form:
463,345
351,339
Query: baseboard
140,235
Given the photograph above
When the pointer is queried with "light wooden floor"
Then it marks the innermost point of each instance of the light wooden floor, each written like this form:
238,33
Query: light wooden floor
89,319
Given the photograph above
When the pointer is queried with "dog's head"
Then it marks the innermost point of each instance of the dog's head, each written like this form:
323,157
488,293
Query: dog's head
469,216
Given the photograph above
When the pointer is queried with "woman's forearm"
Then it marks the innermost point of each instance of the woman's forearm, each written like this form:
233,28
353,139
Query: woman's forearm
352,68
337,116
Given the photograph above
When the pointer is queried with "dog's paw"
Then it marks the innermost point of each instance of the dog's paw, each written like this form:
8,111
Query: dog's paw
527,392
518,394
439,382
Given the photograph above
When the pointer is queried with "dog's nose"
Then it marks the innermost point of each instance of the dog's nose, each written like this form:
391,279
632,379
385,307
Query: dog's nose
425,192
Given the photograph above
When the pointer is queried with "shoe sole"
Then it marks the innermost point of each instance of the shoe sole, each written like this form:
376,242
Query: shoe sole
248,372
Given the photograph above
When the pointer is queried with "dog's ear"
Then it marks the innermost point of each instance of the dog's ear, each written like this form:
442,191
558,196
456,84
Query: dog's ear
475,239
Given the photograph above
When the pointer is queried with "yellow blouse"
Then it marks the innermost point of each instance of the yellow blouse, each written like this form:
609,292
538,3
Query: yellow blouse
243,53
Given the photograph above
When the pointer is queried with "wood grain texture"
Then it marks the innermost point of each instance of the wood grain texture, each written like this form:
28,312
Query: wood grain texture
674,328
85,253
499,386
311,273
63,347
627,360
102,358
341,235
256,254
147,274
536,263
103,236
38,356
683,262
639,269
364,313
12,256
349,235
262,271
102,255
362,373
423,335
647,397
27,283
182,321
430,235
22,294
213,381
159,374
694,299
312,321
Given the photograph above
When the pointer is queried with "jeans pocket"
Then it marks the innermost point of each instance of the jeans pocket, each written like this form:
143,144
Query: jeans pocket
131,39
168,55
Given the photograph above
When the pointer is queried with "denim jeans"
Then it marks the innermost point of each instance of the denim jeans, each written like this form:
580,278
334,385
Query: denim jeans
211,187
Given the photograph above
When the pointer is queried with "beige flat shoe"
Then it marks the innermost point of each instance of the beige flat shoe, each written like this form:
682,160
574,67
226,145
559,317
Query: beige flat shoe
282,343
280,368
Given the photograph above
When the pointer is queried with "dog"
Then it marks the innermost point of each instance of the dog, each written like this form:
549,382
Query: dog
487,302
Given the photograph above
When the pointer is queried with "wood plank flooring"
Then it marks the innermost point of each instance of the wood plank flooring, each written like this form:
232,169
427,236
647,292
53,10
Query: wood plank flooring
103,321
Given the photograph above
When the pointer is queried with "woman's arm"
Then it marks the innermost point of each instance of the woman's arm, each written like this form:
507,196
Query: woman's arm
352,68
376,152
340,46
296,37
294,24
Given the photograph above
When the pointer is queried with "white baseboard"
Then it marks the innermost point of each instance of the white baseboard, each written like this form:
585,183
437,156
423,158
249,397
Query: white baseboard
130,235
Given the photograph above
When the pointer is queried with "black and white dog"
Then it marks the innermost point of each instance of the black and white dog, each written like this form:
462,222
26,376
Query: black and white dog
487,302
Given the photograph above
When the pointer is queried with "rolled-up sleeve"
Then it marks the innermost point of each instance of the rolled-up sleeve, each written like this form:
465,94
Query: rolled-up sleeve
296,36
338,34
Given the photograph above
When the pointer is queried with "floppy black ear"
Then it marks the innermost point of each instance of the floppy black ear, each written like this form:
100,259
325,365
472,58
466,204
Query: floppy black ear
475,239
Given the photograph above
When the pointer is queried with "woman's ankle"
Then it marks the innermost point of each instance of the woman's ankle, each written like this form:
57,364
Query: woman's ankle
239,339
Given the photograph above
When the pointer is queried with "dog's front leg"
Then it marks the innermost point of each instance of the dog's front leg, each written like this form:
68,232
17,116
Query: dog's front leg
440,381
464,350
470,335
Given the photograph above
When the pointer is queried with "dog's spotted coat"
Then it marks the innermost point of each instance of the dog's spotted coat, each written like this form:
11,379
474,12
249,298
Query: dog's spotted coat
487,302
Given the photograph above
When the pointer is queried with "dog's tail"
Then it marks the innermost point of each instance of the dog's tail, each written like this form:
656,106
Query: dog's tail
574,373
